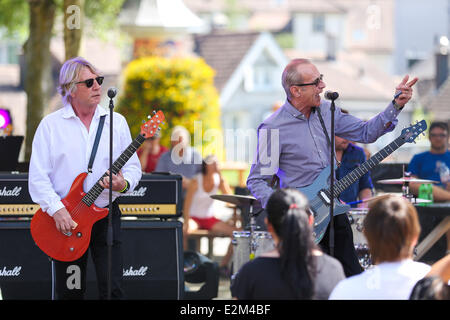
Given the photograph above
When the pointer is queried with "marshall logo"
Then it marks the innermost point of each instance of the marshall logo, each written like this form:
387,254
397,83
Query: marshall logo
130,272
10,192
136,192
10,272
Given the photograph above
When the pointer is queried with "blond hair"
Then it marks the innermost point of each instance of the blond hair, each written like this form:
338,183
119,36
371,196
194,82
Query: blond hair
69,74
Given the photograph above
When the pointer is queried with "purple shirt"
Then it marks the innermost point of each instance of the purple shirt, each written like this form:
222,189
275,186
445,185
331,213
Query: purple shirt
296,149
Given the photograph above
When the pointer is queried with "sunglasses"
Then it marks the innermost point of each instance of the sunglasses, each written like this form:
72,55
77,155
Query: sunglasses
314,83
90,82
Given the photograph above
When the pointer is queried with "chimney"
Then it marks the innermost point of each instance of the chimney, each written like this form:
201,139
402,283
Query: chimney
442,62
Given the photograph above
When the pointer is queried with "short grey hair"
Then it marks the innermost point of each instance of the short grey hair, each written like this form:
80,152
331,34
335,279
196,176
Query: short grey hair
290,75
69,74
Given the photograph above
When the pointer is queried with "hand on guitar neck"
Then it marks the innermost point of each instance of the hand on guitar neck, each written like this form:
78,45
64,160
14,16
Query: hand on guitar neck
118,181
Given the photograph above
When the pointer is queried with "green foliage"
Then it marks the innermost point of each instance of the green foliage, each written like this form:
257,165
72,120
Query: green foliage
14,17
183,89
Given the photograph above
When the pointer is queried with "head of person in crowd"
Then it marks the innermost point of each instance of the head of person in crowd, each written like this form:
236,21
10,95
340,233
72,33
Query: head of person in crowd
438,136
430,288
289,221
392,229
210,164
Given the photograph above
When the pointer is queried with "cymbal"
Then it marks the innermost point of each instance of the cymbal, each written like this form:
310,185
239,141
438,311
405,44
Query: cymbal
418,200
235,199
405,179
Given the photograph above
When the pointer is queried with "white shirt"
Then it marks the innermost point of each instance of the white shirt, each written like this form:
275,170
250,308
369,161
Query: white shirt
62,147
385,281
202,203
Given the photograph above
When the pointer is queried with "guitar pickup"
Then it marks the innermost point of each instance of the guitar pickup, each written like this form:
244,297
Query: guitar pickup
325,197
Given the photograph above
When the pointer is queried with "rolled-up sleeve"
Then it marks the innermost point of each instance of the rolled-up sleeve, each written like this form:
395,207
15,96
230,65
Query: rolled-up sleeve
355,129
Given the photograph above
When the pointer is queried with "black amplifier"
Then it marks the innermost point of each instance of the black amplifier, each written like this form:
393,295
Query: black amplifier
157,195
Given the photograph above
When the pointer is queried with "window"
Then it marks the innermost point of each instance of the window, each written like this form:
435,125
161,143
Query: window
318,22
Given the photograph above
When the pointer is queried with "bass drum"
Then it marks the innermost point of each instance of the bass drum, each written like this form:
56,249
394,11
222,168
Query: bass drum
243,243
356,217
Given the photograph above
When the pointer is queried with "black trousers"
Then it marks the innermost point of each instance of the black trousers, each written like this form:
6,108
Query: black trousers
69,278
344,248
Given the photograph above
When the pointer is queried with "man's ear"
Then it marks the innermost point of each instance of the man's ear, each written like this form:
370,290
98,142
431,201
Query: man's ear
295,92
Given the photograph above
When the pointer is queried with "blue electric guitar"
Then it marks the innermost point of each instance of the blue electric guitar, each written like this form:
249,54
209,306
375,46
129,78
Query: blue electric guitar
319,194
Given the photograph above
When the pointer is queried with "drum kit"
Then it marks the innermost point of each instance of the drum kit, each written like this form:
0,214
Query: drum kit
251,242
356,215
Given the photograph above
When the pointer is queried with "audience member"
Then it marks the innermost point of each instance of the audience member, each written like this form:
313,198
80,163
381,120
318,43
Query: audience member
181,158
435,286
392,229
296,268
198,205
430,288
150,152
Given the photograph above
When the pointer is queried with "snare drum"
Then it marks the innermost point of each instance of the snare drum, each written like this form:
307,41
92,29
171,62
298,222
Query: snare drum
262,242
356,217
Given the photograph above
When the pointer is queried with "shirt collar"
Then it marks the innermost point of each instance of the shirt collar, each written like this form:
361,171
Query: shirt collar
293,111
68,111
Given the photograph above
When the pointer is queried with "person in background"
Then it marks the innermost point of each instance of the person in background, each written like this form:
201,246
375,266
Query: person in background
392,229
296,268
350,157
181,159
434,165
150,152
198,205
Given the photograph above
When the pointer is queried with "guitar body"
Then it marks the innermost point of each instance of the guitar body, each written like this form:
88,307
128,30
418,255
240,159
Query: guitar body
319,207
72,246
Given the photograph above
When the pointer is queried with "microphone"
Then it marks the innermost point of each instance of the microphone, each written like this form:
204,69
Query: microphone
330,95
112,92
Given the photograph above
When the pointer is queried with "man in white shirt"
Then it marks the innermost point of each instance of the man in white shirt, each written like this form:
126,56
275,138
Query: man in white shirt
392,229
62,148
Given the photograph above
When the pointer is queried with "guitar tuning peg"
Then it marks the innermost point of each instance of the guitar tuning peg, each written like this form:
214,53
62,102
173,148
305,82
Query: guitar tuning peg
154,112
148,117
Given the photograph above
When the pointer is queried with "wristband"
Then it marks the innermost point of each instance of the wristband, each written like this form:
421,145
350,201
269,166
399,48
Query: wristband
127,187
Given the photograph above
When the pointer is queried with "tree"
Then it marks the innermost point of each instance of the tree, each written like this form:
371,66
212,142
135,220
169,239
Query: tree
183,89
37,18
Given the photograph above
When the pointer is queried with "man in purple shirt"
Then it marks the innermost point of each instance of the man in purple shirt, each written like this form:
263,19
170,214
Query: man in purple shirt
292,144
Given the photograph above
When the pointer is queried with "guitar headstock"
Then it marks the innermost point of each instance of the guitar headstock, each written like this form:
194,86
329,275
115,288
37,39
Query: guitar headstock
151,127
411,133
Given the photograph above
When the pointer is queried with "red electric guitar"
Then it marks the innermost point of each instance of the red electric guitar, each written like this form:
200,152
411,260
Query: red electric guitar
72,245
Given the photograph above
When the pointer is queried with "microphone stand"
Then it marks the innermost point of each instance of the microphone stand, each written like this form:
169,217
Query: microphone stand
331,234
109,235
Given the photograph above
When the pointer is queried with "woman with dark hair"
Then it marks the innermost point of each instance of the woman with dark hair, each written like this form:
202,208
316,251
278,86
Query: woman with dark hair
296,268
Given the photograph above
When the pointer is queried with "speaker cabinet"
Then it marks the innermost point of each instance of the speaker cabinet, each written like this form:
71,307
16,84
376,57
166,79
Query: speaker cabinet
25,271
153,262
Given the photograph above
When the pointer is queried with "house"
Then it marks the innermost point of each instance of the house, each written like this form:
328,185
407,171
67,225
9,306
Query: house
248,77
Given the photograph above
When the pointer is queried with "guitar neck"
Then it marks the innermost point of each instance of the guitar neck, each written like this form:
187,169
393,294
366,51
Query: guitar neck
97,189
357,173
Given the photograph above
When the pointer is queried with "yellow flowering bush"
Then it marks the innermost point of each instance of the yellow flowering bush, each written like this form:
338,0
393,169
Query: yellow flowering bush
183,88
